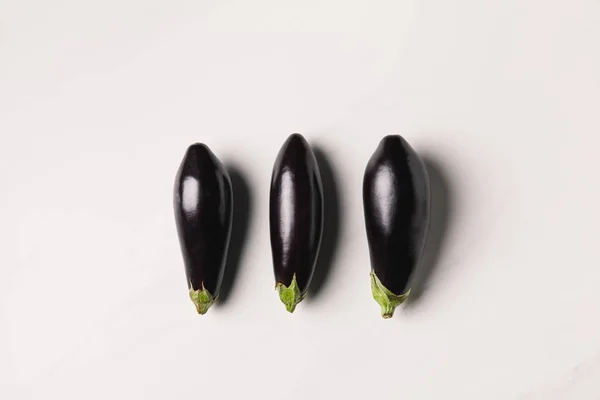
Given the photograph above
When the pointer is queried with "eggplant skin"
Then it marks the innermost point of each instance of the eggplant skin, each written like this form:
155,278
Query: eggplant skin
396,199
296,218
203,204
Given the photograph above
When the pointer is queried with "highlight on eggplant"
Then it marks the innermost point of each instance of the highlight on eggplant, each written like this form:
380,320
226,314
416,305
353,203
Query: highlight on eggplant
203,204
396,199
295,219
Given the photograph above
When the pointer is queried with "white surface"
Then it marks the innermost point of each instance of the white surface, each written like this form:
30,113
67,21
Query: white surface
98,101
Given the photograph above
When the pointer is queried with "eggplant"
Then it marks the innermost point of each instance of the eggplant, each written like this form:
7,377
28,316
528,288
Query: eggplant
396,199
295,219
203,204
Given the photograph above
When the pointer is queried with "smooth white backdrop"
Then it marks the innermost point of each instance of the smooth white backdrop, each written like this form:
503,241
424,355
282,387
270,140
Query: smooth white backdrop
99,100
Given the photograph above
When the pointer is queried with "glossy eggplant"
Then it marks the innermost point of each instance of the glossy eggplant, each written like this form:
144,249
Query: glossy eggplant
203,203
396,199
296,219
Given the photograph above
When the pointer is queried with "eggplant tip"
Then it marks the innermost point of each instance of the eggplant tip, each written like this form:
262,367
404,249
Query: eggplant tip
387,300
202,299
290,295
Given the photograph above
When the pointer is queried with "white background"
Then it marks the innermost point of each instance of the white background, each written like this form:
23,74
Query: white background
99,100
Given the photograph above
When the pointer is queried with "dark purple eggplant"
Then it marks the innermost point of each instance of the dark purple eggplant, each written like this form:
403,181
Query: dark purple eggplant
396,200
203,203
296,219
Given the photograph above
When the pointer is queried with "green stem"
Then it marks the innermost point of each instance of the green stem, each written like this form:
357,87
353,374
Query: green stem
385,298
290,295
201,298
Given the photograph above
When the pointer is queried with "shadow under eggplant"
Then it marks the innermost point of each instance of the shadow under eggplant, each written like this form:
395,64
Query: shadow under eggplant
332,216
242,208
442,205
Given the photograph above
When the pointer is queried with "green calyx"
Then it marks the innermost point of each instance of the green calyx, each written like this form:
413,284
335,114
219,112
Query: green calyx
386,299
201,298
290,295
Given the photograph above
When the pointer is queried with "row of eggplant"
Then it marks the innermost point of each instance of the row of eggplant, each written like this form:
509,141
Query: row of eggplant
396,198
